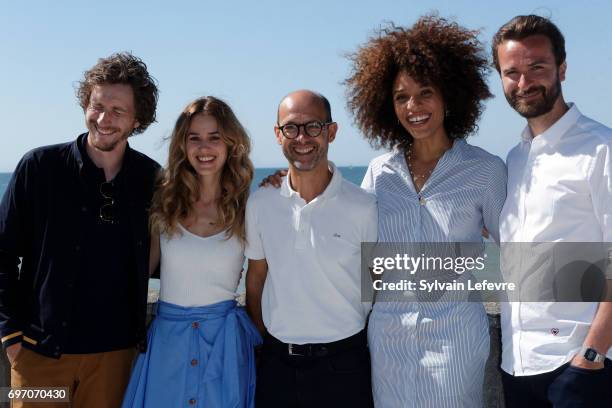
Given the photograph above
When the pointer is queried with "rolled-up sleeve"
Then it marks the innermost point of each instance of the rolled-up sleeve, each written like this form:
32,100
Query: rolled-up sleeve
600,181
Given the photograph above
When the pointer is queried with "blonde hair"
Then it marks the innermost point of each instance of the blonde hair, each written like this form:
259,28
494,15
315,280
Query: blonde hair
179,188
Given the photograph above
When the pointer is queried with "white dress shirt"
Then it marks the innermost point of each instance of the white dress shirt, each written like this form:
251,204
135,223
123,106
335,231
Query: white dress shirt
312,293
559,190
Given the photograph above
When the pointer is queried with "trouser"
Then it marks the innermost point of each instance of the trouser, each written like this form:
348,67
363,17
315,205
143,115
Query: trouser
565,387
320,375
95,380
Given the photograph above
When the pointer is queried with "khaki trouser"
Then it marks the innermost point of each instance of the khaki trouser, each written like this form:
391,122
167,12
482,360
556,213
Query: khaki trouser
94,380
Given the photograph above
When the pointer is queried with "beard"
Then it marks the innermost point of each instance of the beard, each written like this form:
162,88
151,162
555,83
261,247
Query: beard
320,151
536,107
104,143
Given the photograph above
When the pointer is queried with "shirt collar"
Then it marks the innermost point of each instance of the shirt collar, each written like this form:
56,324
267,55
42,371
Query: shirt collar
558,129
452,155
75,151
330,191
86,165
84,162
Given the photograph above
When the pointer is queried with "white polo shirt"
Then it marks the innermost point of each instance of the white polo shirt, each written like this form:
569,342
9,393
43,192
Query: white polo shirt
312,292
559,190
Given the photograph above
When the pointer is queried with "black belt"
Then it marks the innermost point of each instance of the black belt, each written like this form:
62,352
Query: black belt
315,349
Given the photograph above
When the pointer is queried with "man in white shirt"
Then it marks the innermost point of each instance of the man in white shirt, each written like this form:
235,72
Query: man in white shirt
559,190
303,281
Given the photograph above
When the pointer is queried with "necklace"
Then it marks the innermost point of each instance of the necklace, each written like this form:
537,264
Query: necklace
419,179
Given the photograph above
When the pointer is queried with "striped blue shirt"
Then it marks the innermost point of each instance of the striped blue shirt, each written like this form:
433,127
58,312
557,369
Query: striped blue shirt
433,354
465,192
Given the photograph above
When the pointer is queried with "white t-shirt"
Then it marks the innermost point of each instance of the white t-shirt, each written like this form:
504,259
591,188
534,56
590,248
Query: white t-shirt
199,271
559,190
312,292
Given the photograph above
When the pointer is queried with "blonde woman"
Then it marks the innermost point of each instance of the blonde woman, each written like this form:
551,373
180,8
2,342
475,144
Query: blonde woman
200,343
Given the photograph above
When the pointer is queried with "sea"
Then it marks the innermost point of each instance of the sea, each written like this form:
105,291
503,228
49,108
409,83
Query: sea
354,174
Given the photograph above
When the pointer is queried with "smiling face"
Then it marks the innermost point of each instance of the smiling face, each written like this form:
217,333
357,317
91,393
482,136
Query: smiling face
530,76
206,151
304,152
110,116
419,108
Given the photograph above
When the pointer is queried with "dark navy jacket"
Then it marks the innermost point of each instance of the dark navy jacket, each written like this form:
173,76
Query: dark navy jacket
39,223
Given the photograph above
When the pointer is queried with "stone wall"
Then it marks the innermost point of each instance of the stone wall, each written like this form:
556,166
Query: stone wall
492,388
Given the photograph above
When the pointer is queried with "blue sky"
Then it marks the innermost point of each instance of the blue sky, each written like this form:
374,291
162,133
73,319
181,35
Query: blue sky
251,54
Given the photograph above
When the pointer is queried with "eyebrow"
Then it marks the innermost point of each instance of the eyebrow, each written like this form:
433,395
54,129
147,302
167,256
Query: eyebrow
421,87
216,132
539,61
532,63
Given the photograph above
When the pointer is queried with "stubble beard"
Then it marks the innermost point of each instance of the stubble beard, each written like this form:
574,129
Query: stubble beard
108,146
539,107
320,152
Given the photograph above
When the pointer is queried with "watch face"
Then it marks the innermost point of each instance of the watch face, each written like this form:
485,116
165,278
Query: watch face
590,354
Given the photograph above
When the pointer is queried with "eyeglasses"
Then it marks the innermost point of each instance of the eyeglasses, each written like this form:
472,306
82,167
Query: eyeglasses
107,210
312,129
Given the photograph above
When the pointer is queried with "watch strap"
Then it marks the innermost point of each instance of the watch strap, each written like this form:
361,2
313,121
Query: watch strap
590,354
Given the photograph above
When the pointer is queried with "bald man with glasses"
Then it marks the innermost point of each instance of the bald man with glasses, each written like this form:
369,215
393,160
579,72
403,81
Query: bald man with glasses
303,281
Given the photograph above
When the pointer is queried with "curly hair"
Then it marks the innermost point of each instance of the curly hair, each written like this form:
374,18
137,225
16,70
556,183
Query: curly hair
435,52
179,188
123,68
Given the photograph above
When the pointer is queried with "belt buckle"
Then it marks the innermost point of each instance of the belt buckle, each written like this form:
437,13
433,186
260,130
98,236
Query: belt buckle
290,350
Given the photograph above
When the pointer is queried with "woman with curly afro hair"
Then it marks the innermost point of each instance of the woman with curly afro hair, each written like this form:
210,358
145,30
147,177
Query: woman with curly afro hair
419,91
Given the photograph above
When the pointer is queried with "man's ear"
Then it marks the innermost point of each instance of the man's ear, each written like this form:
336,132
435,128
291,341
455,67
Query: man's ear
332,128
279,135
562,69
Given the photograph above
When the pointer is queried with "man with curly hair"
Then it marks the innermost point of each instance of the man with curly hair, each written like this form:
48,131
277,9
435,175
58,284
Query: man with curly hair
75,216
559,190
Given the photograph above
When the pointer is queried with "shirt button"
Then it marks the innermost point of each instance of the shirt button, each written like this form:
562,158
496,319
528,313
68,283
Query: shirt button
194,362
422,200
192,401
195,325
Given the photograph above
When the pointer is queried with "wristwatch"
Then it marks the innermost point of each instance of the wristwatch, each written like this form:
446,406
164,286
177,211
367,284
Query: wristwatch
590,354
